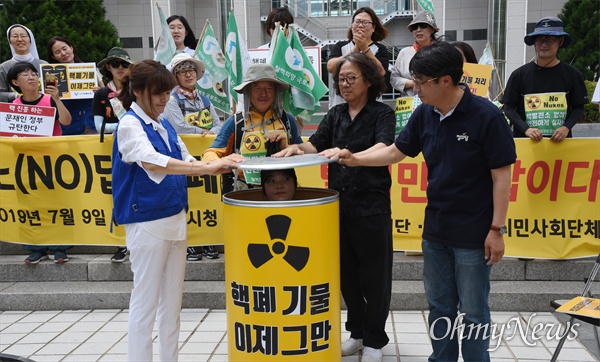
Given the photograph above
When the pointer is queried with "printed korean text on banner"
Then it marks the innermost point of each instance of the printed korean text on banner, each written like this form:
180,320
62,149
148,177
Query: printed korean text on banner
403,111
546,111
57,190
73,80
233,56
477,77
166,48
20,120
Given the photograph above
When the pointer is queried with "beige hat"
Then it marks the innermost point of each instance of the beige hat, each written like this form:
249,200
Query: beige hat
260,72
185,57
424,17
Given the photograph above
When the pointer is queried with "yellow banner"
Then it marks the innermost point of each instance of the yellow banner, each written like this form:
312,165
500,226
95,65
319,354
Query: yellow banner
57,190
582,306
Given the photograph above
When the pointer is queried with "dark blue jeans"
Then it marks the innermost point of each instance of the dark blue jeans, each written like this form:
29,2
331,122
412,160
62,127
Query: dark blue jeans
457,280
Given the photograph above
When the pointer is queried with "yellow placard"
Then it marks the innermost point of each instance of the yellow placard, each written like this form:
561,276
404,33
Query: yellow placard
477,77
582,306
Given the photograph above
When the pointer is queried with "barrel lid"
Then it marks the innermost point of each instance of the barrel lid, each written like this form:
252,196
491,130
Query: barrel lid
271,163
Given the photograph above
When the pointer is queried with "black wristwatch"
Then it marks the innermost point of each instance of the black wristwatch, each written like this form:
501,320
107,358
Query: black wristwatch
501,229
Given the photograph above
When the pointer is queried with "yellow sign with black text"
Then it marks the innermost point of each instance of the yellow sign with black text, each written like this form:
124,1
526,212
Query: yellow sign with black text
57,190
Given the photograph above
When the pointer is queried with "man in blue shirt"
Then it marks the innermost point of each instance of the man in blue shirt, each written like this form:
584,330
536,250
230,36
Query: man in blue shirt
468,149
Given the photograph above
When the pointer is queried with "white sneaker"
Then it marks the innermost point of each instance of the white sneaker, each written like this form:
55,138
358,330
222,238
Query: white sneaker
371,355
351,346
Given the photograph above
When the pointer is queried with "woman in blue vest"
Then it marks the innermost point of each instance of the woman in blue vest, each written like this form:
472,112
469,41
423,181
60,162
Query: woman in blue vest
149,164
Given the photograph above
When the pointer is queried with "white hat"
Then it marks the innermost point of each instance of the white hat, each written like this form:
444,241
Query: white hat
185,57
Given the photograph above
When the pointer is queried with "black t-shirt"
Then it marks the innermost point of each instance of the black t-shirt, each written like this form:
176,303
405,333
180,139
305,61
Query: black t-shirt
382,53
364,191
102,106
531,78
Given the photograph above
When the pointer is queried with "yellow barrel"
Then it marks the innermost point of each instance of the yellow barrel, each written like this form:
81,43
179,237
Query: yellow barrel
282,275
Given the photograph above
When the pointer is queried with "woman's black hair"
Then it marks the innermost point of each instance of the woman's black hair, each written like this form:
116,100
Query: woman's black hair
368,70
51,43
190,39
265,174
380,31
281,15
467,51
15,70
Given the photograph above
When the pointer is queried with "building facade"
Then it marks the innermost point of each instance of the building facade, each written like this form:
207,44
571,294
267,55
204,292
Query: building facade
501,23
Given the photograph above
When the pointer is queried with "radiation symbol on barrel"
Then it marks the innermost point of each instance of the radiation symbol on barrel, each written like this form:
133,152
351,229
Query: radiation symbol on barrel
252,142
278,226
533,103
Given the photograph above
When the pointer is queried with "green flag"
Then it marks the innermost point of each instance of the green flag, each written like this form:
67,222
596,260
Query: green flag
426,5
233,56
317,88
210,53
165,46
213,89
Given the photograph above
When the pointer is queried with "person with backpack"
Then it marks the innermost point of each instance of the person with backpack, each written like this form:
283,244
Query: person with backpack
261,129
189,112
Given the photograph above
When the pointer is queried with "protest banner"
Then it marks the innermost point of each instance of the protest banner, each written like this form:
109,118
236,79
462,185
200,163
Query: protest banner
57,190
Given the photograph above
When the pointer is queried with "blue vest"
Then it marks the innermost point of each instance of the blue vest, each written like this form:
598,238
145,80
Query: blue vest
136,197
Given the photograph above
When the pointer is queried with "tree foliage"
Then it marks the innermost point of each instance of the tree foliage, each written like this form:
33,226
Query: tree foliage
82,22
581,21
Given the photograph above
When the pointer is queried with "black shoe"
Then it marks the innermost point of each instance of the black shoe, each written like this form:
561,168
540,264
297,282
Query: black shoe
210,252
120,256
193,255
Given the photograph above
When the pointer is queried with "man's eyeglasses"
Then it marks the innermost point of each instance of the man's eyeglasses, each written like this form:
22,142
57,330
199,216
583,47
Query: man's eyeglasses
188,71
419,84
118,63
350,80
359,22
418,25
550,40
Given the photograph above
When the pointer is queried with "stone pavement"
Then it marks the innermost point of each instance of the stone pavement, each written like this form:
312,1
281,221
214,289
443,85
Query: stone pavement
101,335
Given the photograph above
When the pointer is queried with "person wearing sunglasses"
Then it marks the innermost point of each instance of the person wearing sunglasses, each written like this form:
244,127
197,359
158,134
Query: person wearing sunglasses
546,80
61,51
108,109
23,49
423,29
363,36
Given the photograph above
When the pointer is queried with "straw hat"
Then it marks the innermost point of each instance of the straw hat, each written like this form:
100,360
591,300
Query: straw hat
260,72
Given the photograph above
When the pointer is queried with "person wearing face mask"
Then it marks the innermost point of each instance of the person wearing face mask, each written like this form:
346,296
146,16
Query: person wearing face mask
545,78
182,33
22,47
423,29
61,51
363,36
